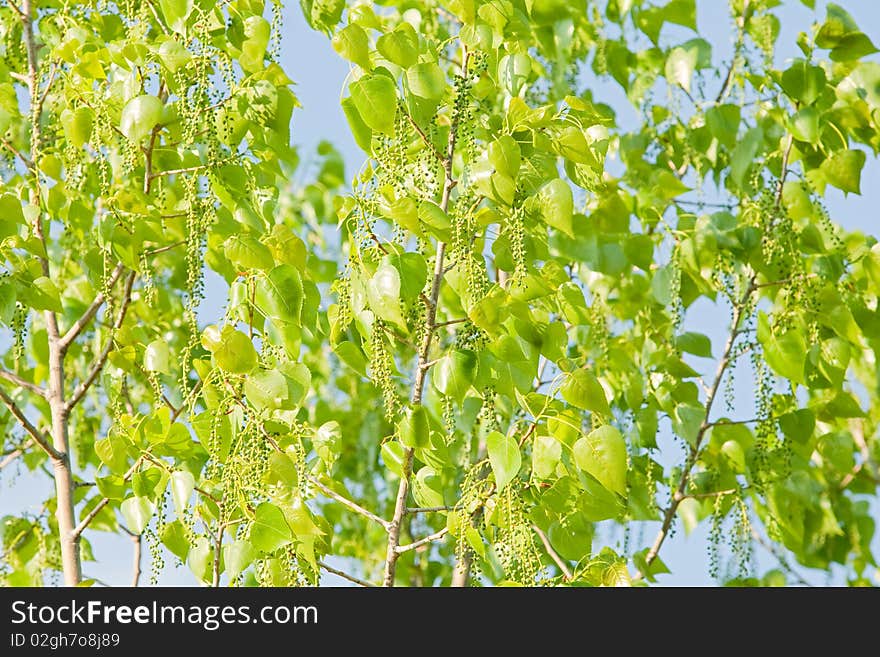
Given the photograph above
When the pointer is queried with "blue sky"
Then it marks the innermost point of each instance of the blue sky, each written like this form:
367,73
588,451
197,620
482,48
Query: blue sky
320,74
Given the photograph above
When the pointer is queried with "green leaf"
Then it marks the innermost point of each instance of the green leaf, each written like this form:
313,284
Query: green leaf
157,357
427,489
687,419
504,457
322,15
723,122
139,116
414,427
383,293
270,530
361,132
149,483
182,486
352,43
582,389
257,32
844,170
556,205
602,454
680,65
514,71
246,252
454,374
743,155
327,442
176,12
173,536
137,512
505,156
803,82
267,389
688,510
694,343
201,559
174,56
375,98
426,80
661,285
111,450
413,272
785,354
280,294
804,125
234,352
400,46
281,475
392,456
798,425
572,537
43,295
237,556
11,216
546,452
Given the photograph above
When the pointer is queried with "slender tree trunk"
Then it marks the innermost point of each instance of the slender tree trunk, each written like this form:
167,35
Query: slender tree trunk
65,513
63,467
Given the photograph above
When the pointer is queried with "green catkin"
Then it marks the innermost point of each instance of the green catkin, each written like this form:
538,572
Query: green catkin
449,419
380,367
515,545
19,330
715,538
157,560
516,237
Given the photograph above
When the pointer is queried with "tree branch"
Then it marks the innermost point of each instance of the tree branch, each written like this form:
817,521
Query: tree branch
679,493
394,527
81,527
344,575
137,548
424,137
436,536
723,364
38,436
566,571
23,383
357,508
737,49
99,362
65,341
14,454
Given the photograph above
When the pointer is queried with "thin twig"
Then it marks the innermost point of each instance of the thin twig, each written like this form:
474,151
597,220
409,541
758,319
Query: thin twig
23,383
344,501
783,562
99,362
566,571
740,39
434,150
450,322
14,454
436,536
65,341
344,575
81,527
24,158
163,249
427,509
38,436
